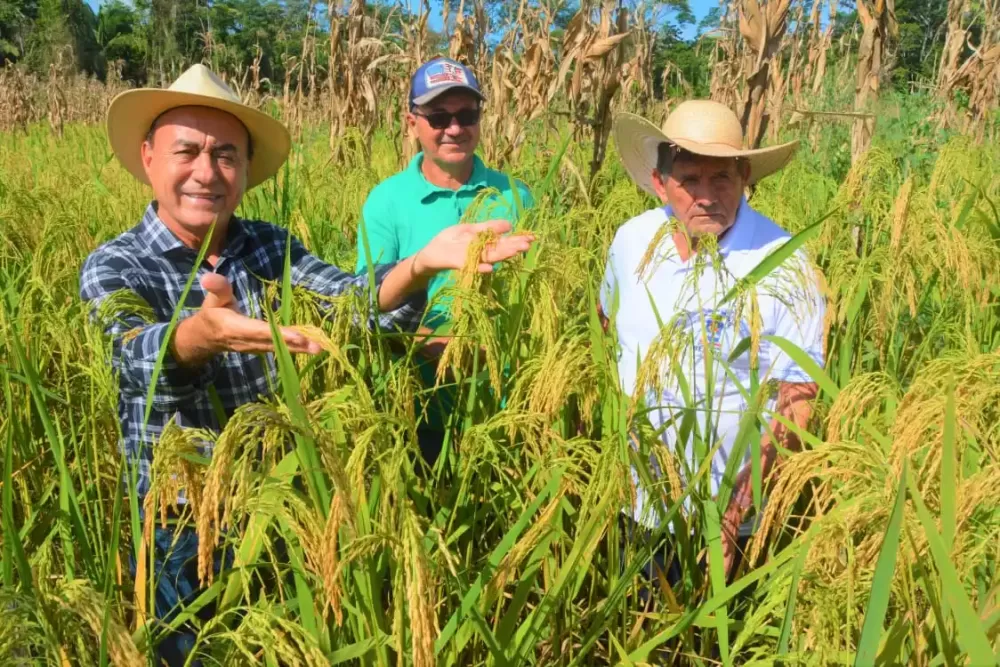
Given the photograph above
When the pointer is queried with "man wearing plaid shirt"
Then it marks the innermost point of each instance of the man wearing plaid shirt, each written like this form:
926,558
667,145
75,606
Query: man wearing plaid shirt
200,149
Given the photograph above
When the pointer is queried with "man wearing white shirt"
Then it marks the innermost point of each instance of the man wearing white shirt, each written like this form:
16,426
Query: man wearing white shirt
668,288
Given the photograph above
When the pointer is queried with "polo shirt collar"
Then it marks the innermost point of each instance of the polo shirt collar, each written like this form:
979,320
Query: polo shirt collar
477,179
741,227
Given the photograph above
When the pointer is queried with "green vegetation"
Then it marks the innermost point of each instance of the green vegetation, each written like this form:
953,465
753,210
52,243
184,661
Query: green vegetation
879,543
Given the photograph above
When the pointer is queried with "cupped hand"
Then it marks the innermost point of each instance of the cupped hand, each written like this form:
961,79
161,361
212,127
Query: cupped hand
235,332
227,329
450,248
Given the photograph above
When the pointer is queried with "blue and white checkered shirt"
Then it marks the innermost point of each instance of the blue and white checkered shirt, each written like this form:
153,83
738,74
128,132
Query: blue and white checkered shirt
152,263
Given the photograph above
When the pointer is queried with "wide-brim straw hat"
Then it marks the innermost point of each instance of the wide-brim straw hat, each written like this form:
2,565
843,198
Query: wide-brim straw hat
132,113
702,127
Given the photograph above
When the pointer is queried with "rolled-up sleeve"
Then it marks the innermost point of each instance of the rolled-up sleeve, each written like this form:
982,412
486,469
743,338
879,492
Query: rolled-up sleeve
136,339
312,273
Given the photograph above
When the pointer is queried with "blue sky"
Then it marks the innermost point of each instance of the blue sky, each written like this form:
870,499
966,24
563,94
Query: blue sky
698,7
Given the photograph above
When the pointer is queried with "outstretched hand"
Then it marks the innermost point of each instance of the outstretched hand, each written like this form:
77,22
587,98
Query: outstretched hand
220,327
450,248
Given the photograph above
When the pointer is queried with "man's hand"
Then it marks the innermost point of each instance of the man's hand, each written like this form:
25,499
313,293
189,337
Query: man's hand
220,327
446,251
740,502
794,405
449,249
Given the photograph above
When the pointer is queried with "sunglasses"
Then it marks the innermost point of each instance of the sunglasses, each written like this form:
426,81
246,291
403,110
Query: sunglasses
441,119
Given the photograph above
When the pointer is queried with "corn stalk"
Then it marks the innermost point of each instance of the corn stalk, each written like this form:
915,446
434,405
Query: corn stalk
724,60
878,22
762,25
954,43
978,74
818,51
797,70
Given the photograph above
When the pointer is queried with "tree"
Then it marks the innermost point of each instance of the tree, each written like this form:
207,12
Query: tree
122,37
922,28
64,26
16,18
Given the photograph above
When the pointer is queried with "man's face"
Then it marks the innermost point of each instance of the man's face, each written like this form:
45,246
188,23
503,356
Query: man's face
453,144
197,164
704,192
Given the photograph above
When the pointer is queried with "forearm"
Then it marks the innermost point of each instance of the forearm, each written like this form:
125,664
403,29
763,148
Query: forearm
794,406
402,281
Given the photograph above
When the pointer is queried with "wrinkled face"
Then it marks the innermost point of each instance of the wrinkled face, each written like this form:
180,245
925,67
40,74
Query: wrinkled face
451,145
197,164
704,192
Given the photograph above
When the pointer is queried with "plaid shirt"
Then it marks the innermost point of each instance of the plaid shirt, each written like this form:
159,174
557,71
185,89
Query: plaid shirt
151,262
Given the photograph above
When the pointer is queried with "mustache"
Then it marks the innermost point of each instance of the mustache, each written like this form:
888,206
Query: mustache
708,212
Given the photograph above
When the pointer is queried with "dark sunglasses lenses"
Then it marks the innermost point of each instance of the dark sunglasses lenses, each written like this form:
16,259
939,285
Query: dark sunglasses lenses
440,120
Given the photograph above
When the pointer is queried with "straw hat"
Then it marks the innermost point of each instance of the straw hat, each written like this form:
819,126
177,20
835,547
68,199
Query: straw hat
132,113
701,127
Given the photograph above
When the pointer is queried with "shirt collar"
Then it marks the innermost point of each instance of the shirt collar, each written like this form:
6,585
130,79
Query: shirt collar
161,241
731,239
477,179
156,235
734,234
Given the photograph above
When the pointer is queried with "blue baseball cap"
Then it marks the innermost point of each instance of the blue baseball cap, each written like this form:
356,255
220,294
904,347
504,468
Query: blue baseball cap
439,76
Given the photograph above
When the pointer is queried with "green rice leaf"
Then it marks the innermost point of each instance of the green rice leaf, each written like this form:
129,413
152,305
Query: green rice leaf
286,282
971,635
793,595
172,325
471,596
776,258
948,481
806,363
885,568
717,575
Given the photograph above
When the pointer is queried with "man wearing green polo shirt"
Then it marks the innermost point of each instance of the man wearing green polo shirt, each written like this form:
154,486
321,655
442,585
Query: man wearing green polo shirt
405,211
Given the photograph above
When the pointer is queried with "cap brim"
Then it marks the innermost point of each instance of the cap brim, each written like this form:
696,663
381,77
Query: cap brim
132,113
438,92
637,140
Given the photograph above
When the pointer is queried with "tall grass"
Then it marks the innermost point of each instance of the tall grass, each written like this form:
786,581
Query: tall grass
879,542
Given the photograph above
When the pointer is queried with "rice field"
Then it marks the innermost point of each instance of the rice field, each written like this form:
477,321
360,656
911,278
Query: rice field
879,543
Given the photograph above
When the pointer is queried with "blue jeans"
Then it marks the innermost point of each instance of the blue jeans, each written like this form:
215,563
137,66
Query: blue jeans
175,556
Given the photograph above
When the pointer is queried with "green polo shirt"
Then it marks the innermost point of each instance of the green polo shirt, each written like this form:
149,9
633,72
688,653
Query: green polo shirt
405,211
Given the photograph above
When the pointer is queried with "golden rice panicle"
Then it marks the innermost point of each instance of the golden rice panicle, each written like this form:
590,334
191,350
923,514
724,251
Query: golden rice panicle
660,244
172,470
79,612
900,209
472,333
420,591
545,383
661,359
864,395
329,570
508,567
960,165
251,441
264,635
870,183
